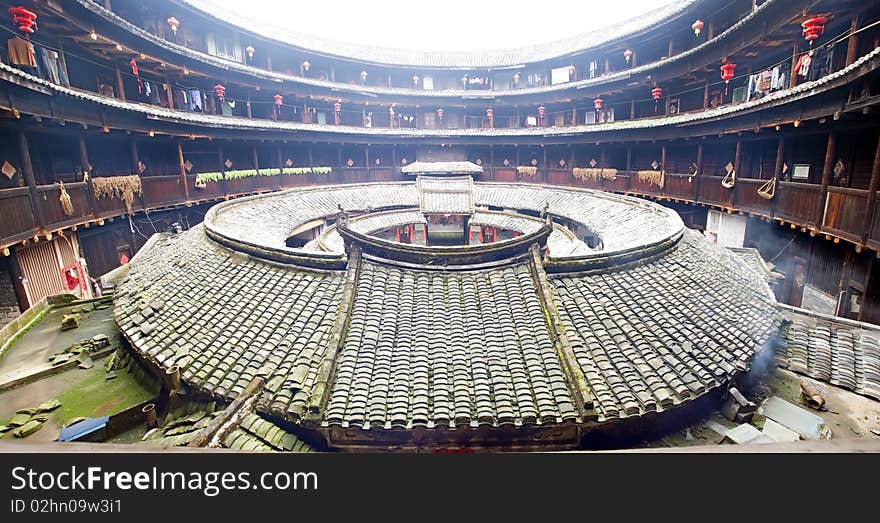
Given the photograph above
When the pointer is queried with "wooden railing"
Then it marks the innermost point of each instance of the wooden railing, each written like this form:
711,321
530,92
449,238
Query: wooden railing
799,203
845,212
843,215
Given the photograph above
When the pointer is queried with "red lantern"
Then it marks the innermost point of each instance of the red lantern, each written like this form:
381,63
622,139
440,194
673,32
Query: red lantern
656,93
220,91
337,106
541,111
279,100
727,72
250,51
597,104
24,19
697,27
571,70
440,113
489,113
814,27
173,23
627,54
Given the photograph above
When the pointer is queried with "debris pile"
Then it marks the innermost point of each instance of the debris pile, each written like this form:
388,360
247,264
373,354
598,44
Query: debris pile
29,420
774,421
70,321
83,350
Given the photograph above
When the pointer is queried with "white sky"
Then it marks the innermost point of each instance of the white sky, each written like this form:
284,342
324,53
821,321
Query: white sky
453,25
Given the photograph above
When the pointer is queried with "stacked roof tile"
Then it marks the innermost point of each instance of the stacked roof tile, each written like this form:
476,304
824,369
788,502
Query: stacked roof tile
447,349
843,353
658,334
225,319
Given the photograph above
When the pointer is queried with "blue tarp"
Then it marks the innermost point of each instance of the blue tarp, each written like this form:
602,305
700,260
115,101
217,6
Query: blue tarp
83,428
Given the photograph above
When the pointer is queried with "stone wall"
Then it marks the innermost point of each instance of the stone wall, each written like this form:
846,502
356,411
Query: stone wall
8,301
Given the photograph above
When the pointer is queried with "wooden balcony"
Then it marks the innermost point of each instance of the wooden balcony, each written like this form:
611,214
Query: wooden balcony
843,215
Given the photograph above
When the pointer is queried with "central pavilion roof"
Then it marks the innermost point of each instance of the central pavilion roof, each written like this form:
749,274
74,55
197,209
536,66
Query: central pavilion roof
445,195
442,168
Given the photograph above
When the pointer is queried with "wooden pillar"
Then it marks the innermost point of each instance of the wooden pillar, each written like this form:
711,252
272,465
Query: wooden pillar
222,160
793,77
663,157
27,170
737,163
168,93
120,86
852,44
492,161
544,166
339,155
180,163
107,7
706,96
737,158
250,114
311,164
827,168
84,155
629,158
671,48
367,160
632,110
777,170
135,159
710,30
268,61
279,154
255,157
699,176
393,159
873,186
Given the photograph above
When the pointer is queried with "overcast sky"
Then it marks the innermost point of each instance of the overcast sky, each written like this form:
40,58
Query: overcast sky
439,24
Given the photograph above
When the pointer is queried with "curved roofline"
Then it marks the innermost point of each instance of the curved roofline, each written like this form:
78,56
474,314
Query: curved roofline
495,58
719,46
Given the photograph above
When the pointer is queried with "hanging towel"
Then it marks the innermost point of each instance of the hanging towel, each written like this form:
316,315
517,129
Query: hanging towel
21,52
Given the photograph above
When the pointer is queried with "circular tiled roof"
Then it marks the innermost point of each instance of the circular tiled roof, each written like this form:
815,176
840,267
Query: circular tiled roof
395,354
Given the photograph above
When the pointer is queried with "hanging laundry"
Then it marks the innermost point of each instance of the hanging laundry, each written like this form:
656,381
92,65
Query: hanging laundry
21,52
134,71
764,80
803,63
195,99
48,68
227,106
